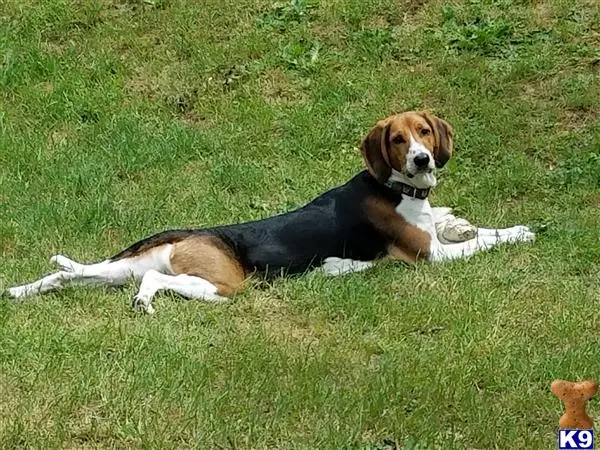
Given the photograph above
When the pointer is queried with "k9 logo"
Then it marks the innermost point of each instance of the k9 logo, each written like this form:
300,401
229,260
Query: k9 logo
575,439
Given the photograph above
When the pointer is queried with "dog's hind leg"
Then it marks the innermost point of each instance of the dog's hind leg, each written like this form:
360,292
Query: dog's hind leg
201,268
189,286
107,273
52,282
63,278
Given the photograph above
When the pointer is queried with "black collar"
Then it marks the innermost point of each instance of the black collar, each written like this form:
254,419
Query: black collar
411,191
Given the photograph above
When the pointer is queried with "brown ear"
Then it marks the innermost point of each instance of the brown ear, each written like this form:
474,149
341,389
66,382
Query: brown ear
443,133
374,150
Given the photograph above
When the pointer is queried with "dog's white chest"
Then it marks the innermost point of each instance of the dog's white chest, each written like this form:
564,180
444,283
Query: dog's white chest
417,212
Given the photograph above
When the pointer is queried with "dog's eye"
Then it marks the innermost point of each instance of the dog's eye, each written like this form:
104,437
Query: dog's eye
425,131
399,139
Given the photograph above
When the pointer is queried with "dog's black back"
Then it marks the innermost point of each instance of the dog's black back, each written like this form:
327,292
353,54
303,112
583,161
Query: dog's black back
334,224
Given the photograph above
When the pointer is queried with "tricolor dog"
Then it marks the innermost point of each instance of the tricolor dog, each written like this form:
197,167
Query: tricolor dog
383,212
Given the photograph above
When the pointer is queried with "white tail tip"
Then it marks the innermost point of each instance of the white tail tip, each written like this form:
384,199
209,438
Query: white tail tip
64,263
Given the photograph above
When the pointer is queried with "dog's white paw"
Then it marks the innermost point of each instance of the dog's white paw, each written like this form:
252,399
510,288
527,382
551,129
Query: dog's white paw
333,266
142,304
520,229
526,236
331,260
520,233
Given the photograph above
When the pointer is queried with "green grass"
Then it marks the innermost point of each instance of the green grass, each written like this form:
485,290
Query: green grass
120,118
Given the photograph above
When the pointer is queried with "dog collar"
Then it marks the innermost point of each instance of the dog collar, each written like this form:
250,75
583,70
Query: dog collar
407,189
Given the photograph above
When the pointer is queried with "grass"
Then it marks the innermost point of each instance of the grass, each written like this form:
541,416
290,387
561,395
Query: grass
119,118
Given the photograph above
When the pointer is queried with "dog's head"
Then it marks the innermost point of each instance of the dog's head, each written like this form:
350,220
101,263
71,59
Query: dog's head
411,145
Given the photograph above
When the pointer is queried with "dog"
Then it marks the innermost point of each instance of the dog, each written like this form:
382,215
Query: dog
383,212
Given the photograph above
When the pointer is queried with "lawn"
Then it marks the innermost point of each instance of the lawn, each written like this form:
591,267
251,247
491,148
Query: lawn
120,118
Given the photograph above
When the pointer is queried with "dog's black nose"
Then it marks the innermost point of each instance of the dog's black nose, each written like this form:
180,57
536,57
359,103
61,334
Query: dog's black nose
422,160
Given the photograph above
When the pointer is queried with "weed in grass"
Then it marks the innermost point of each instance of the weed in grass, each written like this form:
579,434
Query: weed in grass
284,15
302,56
475,33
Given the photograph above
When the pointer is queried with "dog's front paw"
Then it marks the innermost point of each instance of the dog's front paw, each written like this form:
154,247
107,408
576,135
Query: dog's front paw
521,233
520,229
332,260
142,304
334,266
527,236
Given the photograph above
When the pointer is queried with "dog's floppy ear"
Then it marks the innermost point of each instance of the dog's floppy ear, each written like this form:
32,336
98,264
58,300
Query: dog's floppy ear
443,134
374,150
